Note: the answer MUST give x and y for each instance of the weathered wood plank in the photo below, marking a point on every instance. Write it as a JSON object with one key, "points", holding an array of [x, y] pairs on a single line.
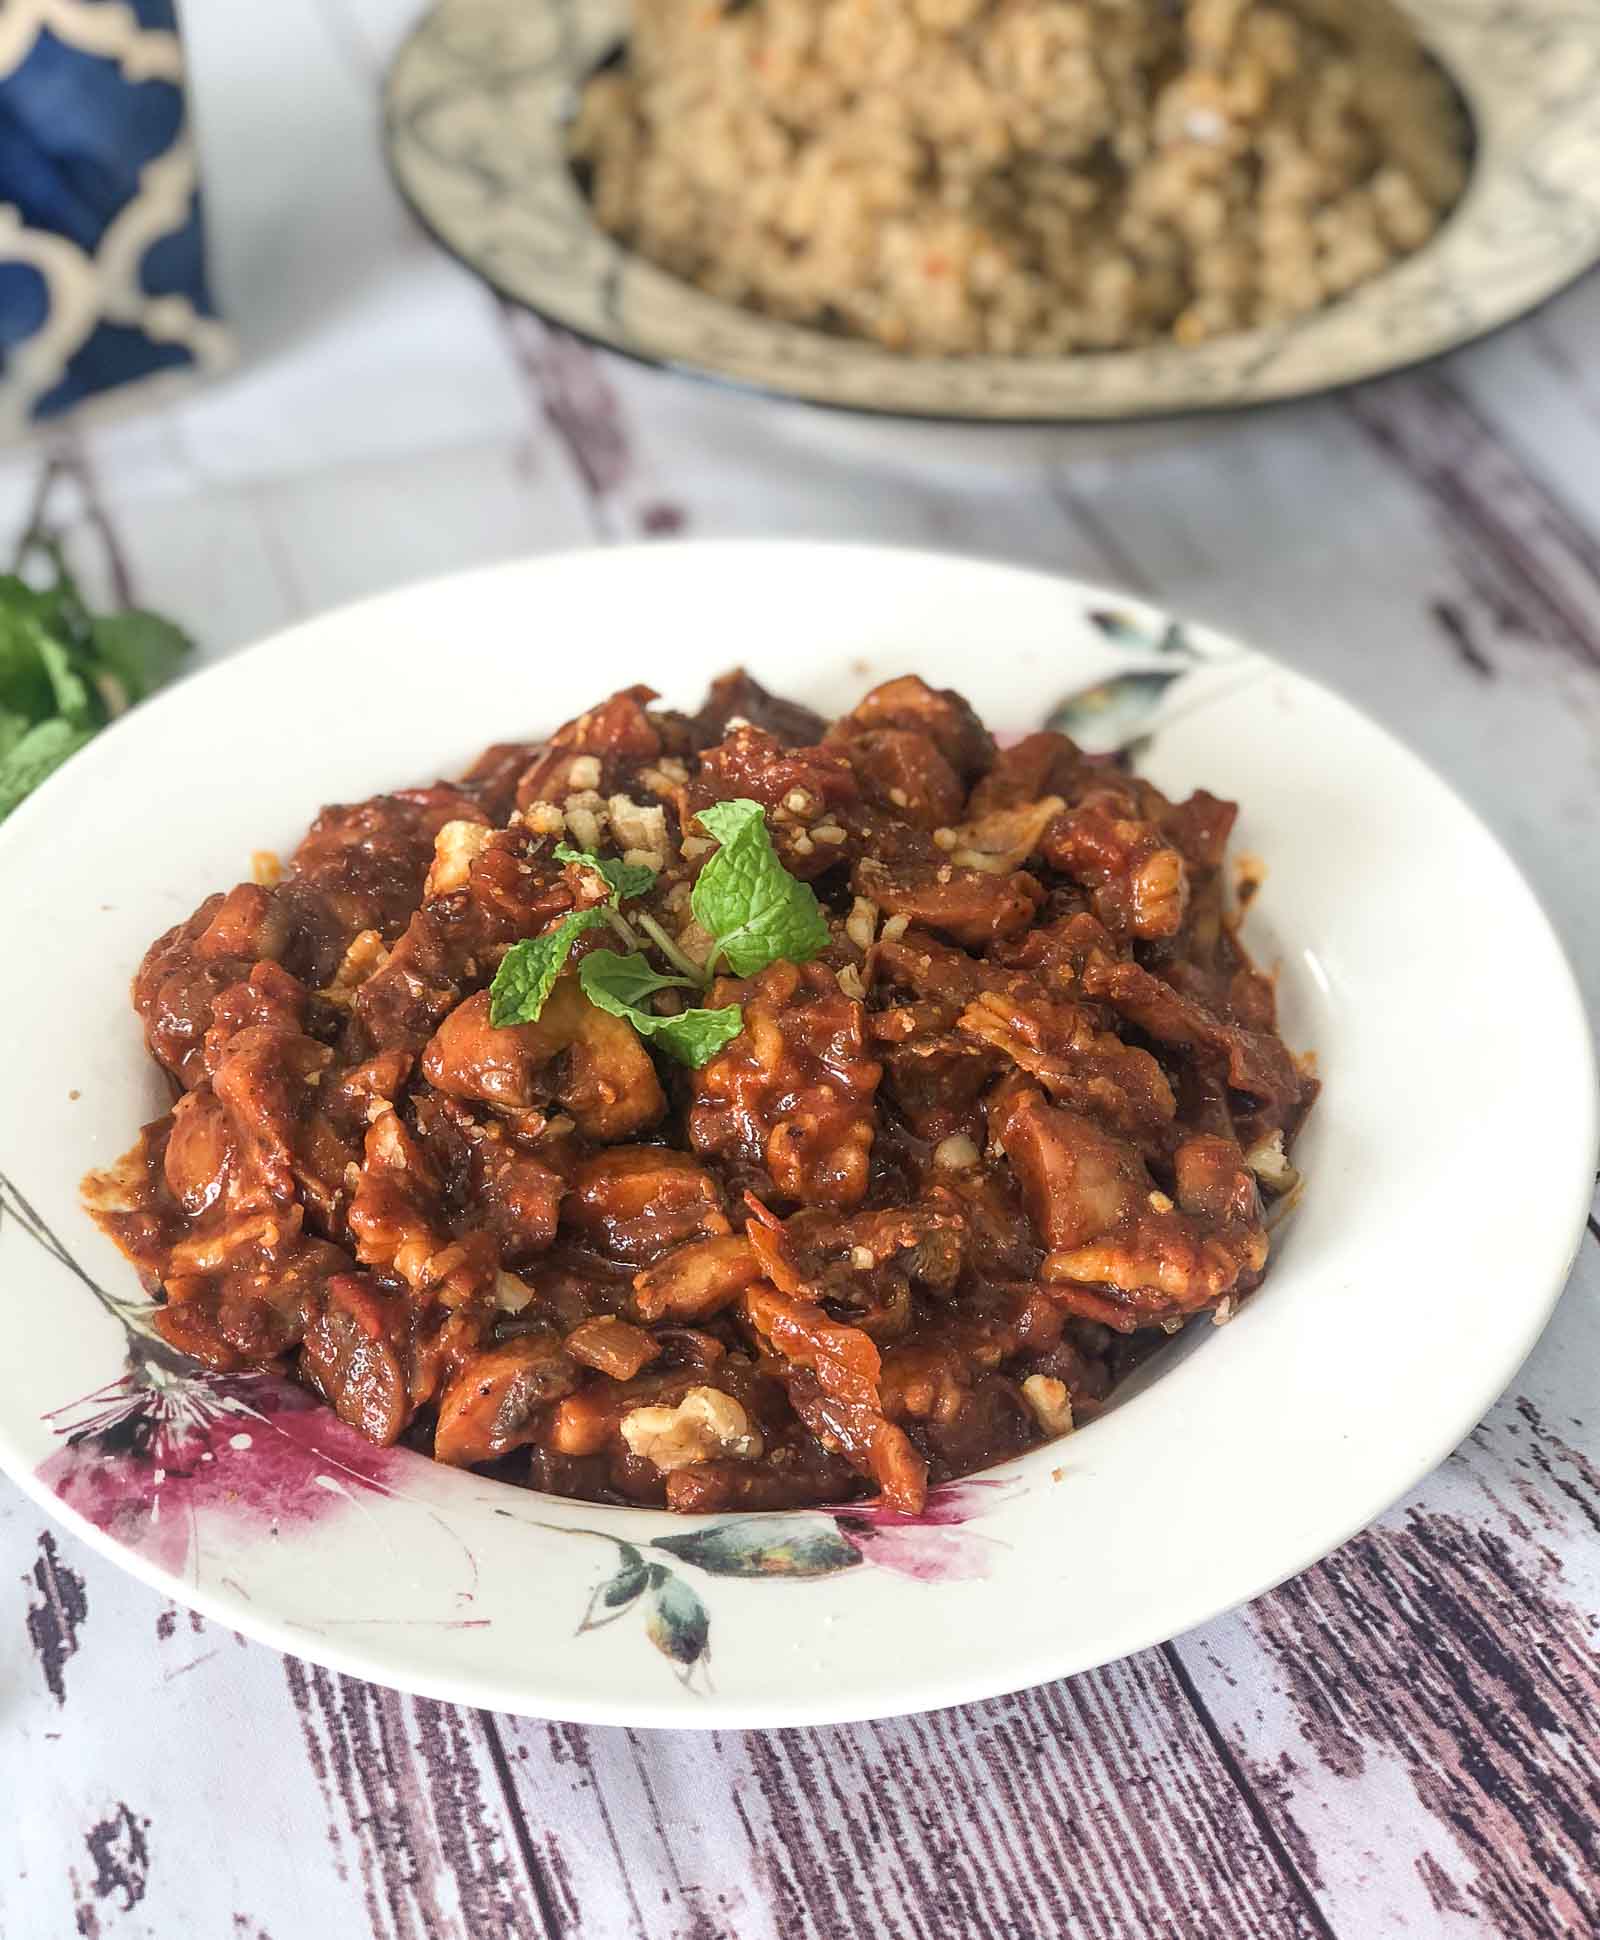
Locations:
{"points": [[657, 456], [359, 339], [1539, 386], [365, 528], [1417, 1713], [164, 1779], [1096, 1807]]}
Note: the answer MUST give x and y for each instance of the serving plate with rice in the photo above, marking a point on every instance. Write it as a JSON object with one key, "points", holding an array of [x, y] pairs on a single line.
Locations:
{"points": [[1010, 211]]}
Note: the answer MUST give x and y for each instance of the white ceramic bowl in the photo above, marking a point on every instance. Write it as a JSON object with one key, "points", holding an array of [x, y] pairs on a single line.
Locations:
{"points": [[1450, 1162], [476, 112]]}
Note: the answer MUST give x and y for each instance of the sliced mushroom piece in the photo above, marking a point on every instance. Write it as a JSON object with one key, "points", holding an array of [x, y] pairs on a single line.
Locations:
{"points": [[612, 1346], [638, 1201], [591, 1062], [695, 1281], [494, 1403], [353, 1356]]}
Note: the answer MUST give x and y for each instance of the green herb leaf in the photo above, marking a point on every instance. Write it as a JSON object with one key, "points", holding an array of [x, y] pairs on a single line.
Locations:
{"points": [[25, 687], [529, 969], [58, 608], [63, 671], [747, 900], [694, 1037], [141, 650], [621, 984], [68, 690], [624, 878], [39, 752]]}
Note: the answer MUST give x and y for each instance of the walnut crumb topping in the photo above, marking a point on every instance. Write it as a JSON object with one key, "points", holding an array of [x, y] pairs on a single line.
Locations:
{"points": [[1050, 1402], [706, 1425]]}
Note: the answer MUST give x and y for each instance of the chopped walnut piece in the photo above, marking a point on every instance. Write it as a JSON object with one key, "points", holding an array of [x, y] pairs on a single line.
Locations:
{"points": [[364, 958], [454, 848], [1050, 1402], [706, 1426], [639, 830]]}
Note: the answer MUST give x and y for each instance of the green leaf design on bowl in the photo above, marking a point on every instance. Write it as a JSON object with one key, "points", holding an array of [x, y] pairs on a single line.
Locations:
{"points": [[1124, 630], [677, 1622], [764, 1546], [1105, 717], [619, 1591]]}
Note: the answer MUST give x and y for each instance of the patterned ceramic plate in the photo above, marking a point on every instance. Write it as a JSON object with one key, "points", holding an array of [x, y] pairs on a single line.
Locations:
{"points": [[479, 98], [1432, 1241]]}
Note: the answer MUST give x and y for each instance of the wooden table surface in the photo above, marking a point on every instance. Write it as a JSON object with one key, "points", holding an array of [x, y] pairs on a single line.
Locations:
{"points": [[1404, 1740]]}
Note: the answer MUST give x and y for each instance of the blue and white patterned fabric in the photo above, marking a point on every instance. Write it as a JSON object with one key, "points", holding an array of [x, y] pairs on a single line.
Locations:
{"points": [[102, 267]]}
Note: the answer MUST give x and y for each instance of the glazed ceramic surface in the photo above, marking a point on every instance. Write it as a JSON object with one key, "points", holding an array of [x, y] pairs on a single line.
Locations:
{"points": [[1426, 1254], [479, 100]]}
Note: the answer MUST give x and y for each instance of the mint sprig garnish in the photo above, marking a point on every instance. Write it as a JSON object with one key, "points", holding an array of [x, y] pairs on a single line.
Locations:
{"points": [[754, 910], [529, 969]]}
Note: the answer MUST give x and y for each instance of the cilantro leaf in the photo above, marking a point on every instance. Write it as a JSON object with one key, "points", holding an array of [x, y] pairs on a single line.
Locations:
{"points": [[620, 984], [747, 900], [529, 969], [625, 878], [39, 752], [12, 729]]}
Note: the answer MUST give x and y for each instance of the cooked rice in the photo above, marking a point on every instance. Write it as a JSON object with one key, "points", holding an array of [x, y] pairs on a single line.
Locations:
{"points": [[956, 176]]}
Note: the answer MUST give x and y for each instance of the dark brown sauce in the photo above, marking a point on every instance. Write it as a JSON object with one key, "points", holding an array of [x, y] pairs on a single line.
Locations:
{"points": [[953, 1178]]}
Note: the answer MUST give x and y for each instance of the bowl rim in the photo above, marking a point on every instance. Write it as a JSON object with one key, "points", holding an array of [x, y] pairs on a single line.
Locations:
{"points": [[728, 384], [1196, 411], [979, 1680]]}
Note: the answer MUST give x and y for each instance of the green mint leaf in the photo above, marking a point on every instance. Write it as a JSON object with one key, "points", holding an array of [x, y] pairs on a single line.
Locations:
{"points": [[727, 821], [69, 691], [620, 984], [693, 1037], [141, 651], [529, 969], [63, 672], [59, 609], [39, 752], [25, 686], [626, 879], [747, 900]]}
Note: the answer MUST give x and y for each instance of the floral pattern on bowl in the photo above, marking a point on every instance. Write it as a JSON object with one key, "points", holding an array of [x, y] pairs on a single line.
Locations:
{"points": [[169, 1446]]}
